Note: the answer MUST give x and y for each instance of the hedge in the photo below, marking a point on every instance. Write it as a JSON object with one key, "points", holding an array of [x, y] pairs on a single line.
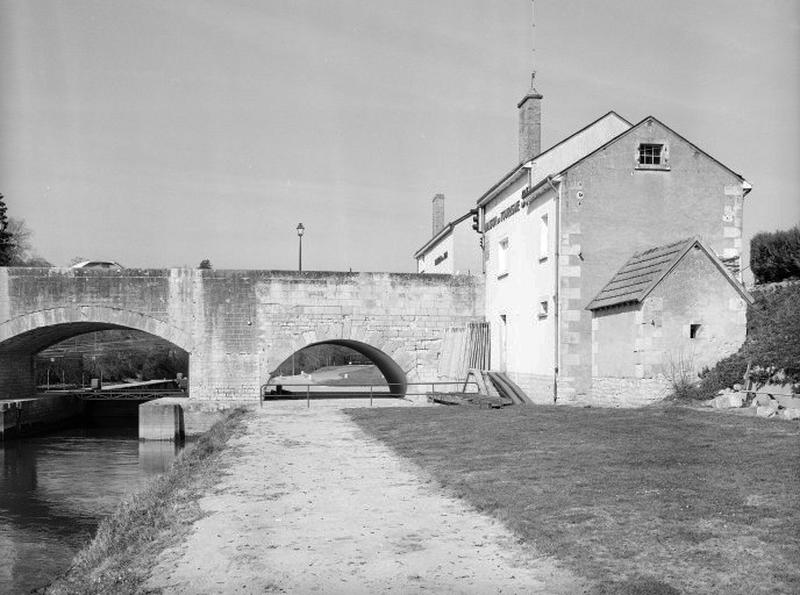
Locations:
{"points": [[775, 256]]}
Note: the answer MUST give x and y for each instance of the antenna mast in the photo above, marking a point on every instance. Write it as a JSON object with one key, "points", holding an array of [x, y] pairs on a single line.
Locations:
{"points": [[533, 42]]}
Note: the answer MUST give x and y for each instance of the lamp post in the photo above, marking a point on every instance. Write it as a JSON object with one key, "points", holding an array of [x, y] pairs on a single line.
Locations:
{"points": [[300, 231]]}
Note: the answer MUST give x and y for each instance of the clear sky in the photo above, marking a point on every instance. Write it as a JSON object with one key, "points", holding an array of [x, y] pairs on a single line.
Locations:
{"points": [[160, 133]]}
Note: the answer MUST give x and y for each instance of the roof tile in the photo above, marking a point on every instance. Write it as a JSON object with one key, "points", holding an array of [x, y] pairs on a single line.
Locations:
{"points": [[643, 268]]}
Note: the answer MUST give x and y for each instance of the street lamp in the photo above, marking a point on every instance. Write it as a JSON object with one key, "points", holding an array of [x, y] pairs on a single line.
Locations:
{"points": [[300, 231]]}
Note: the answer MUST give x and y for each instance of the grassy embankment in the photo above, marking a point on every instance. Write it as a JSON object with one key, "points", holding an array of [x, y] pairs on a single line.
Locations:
{"points": [[656, 500], [772, 346], [127, 542]]}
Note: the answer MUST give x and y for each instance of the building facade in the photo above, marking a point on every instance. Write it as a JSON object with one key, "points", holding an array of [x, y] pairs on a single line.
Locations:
{"points": [[454, 248], [667, 313], [558, 228], [520, 223]]}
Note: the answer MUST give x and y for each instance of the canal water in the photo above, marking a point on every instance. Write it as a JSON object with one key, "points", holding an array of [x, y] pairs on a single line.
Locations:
{"points": [[55, 489]]}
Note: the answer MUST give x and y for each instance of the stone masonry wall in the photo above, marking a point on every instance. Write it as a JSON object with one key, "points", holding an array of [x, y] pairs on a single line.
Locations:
{"points": [[639, 350], [28, 416], [405, 316], [611, 209], [695, 293], [626, 392], [16, 375], [538, 387], [237, 326]]}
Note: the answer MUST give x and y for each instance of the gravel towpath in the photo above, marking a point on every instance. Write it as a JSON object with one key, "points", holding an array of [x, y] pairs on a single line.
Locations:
{"points": [[311, 504]]}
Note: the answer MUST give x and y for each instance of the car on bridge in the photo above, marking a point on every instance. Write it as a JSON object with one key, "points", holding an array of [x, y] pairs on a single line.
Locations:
{"points": [[98, 264]]}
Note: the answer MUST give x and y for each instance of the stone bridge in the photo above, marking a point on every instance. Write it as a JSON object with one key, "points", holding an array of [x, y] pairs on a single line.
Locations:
{"points": [[238, 326]]}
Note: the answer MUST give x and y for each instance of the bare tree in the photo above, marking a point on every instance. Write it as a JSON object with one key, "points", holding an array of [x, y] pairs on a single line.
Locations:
{"points": [[21, 252]]}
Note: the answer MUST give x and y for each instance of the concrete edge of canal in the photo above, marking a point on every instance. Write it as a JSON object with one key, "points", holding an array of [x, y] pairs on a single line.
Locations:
{"points": [[170, 418], [173, 418], [164, 419], [36, 415]]}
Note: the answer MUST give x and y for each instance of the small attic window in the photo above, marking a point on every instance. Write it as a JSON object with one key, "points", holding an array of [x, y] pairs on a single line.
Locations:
{"points": [[544, 307], [694, 331], [650, 154]]}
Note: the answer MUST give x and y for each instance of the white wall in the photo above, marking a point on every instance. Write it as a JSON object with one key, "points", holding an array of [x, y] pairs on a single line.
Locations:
{"points": [[468, 255], [462, 249], [443, 252], [529, 280], [526, 338]]}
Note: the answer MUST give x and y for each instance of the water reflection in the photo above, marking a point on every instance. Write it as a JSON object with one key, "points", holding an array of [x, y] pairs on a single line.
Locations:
{"points": [[155, 457], [54, 490]]}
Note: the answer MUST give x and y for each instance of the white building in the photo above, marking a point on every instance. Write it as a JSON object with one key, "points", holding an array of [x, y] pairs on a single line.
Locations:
{"points": [[560, 226], [521, 227], [454, 248]]}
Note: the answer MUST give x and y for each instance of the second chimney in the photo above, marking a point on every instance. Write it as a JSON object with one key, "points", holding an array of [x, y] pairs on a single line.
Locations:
{"points": [[530, 125], [438, 213]]}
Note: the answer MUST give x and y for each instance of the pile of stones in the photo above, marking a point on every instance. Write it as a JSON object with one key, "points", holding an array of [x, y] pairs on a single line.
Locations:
{"points": [[760, 403]]}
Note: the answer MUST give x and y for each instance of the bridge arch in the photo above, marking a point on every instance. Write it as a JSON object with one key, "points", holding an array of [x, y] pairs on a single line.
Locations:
{"points": [[24, 336], [395, 375], [34, 331]]}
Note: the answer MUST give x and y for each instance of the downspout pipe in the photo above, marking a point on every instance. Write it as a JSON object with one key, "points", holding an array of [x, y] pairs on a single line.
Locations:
{"points": [[556, 274]]}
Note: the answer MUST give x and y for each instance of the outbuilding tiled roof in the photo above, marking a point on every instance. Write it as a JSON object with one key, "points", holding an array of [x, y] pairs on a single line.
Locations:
{"points": [[642, 273]]}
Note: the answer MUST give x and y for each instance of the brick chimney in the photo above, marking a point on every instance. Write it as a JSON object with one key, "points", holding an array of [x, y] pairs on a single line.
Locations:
{"points": [[438, 213], [530, 124]]}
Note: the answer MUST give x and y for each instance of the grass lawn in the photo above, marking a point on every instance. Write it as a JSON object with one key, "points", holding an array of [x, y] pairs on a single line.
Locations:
{"points": [[357, 374], [657, 500]]}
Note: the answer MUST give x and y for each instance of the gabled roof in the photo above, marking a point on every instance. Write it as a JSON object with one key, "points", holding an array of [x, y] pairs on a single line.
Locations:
{"points": [[515, 173], [634, 127], [441, 234], [557, 171], [646, 269], [554, 157]]}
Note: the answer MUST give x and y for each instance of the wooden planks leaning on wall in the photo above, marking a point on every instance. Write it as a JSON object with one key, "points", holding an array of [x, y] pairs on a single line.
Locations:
{"points": [[464, 348]]}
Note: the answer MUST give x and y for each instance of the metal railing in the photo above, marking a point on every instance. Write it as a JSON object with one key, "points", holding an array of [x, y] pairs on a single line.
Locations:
{"points": [[121, 395], [370, 391]]}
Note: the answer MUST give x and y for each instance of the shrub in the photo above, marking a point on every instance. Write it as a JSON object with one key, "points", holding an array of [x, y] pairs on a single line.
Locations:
{"points": [[773, 331], [724, 374], [772, 347], [679, 372], [775, 256]]}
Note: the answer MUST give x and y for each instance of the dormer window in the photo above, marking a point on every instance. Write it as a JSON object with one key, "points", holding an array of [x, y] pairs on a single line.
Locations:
{"points": [[650, 154]]}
